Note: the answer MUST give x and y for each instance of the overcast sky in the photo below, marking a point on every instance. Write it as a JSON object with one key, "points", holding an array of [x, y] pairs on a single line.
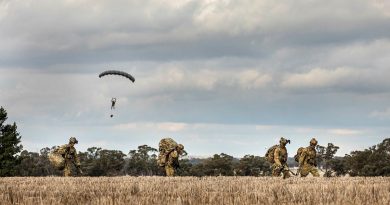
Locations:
{"points": [[217, 76]]}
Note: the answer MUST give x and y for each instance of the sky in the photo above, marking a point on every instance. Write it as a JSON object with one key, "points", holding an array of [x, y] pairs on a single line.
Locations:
{"points": [[218, 76]]}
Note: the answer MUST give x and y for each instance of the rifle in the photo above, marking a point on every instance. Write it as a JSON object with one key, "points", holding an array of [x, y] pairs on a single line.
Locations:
{"points": [[285, 168]]}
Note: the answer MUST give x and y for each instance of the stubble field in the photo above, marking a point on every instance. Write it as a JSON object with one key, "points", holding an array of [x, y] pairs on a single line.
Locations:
{"points": [[192, 190]]}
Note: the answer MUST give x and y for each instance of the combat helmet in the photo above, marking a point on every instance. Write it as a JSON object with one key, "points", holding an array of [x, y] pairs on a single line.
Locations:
{"points": [[313, 142], [180, 147], [73, 140], [284, 141]]}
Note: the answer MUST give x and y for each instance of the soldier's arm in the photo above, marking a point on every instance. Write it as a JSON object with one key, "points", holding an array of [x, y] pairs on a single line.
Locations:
{"points": [[76, 159], [302, 157], [277, 157], [175, 159], [174, 154]]}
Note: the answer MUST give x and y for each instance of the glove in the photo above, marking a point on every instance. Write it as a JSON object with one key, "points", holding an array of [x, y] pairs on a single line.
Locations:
{"points": [[79, 171]]}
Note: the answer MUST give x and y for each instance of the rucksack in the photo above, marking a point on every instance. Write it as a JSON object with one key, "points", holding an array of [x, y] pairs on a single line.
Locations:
{"points": [[269, 156], [165, 146], [56, 159], [299, 153]]}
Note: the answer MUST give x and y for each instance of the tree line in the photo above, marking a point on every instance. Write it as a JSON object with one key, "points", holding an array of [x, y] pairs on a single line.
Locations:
{"points": [[14, 161]]}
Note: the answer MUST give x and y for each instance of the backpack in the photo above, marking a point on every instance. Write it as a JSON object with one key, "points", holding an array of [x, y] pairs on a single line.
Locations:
{"points": [[269, 156], [57, 160], [299, 153], [166, 146]]}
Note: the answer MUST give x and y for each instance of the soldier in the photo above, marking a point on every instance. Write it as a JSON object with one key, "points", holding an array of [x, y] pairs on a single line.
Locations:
{"points": [[307, 160], [69, 153], [280, 160], [169, 155], [113, 101]]}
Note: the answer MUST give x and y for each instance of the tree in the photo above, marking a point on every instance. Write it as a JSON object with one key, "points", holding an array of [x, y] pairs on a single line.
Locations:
{"points": [[219, 164], [9, 146], [374, 161], [102, 162], [112, 162], [143, 161], [325, 155], [251, 165], [36, 164], [89, 162], [338, 165]]}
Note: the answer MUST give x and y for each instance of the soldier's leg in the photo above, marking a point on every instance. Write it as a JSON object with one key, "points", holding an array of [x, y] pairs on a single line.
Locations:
{"points": [[169, 171], [286, 174], [314, 172], [67, 170], [304, 171], [275, 171]]}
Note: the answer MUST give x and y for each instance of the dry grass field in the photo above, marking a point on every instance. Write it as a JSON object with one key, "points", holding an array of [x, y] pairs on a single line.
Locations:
{"points": [[192, 190]]}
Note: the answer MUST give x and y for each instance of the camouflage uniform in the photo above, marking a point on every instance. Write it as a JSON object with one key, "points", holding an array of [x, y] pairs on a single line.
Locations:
{"points": [[280, 157], [69, 153], [307, 160], [172, 163], [169, 155]]}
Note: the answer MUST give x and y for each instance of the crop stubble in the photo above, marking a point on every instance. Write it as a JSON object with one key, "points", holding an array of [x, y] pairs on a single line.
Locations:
{"points": [[193, 190]]}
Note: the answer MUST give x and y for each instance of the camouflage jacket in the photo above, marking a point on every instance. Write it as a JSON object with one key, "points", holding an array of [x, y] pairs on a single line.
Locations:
{"points": [[69, 153], [280, 155], [308, 157], [173, 158]]}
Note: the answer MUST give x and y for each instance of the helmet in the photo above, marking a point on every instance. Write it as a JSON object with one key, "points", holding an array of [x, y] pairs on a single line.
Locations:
{"points": [[180, 147], [313, 142], [73, 140], [284, 141]]}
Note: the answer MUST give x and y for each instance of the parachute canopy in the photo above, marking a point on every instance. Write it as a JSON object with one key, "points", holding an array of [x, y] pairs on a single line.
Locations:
{"points": [[116, 72]]}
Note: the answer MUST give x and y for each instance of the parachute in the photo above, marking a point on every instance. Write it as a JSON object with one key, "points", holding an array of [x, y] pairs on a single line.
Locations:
{"points": [[116, 72]]}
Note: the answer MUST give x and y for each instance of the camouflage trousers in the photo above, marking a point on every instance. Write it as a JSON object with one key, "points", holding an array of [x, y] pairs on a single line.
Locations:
{"points": [[278, 170], [169, 170], [307, 169], [68, 169]]}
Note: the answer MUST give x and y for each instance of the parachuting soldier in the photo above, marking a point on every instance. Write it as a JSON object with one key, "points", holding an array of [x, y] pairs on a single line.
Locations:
{"points": [[307, 160], [280, 160], [113, 101], [69, 153], [169, 155]]}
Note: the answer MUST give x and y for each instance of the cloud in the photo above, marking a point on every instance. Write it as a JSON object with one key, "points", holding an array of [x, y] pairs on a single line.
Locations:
{"points": [[177, 77], [345, 132], [172, 127], [341, 79], [164, 126], [317, 78], [265, 127], [384, 114], [209, 69], [46, 33], [382, 5], [252, 79]]}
